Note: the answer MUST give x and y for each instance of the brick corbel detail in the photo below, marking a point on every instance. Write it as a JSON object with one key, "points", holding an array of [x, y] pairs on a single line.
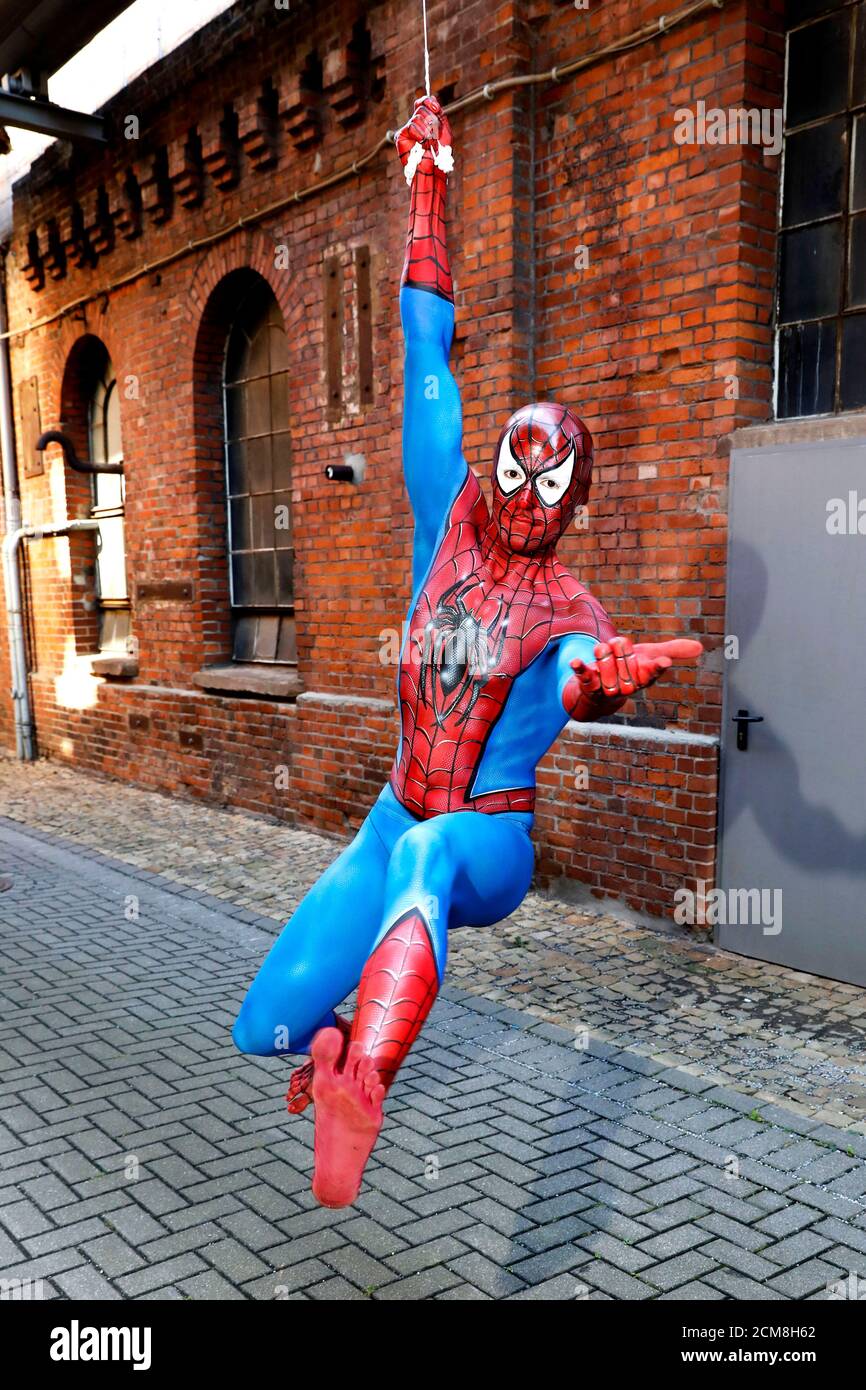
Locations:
{"points": [[300, 111], [126, 197], [343, 82], [258, 127], [73, 237], [153, 181], [220, 148], [185, 169], [51, 250]]}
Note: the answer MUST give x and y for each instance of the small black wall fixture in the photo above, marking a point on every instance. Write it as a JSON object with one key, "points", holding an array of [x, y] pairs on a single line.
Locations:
{"points": [[352, 470], [70, 456]]}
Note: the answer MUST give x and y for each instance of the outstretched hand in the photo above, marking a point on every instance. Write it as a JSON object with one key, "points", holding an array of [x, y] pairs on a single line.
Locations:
{"points": [[425, 139], [621, 666]]}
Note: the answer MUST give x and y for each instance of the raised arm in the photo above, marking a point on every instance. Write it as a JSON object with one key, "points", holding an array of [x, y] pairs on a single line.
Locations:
{"points": [[433, 462]]}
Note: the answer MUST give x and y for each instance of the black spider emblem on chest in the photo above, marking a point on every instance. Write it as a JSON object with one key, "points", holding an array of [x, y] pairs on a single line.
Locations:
{"points": [[459, 653]]}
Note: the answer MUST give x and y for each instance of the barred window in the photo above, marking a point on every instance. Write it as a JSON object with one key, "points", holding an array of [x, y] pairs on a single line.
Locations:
{"points": [[821, 301], [258, 481]]}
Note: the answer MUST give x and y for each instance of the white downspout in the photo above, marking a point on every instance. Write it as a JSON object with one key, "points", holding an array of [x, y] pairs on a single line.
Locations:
{"points": [[12, 579], [15, 533]]}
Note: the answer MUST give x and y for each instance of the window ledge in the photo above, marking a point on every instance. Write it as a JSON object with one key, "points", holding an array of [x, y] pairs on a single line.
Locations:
{"points": [[104, 664], [276, 682], [805, 429]]}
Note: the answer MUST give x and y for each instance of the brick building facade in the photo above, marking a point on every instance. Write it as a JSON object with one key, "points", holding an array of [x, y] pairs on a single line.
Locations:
{"points": [[597, 261]]}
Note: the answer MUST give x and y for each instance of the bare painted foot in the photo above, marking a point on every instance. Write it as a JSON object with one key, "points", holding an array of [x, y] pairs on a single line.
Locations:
{"points": [[348, 1117], [300, 1092]]}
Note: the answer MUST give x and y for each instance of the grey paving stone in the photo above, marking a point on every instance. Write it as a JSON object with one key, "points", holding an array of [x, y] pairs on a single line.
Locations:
{"points": [[158, 1275], [548, 1263], [694, 1292], [85, 1282], [740, 1287], [786, 1221], [613, 1281], [111, 1255], [359, 1268], [739, 1260], [601, 1245], [796, 1249], [491, 1278], [747, 1237], [674, 1241], [212, 1287], [804, 1279], [682, 1269]]}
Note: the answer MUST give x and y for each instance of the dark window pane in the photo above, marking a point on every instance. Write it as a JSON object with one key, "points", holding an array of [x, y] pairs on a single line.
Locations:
{"points": [[798, 11], [857, 260], [236, 415], [259, 464], [287, 649], [243, 587], [240, 522], [280, 402], [818, 69], [858, 94], [237, 468], [258, 407], [264, 582], [852, 381], [266, 638], [807, 369], [285, 575], [810, 272], [279, 347], [281, 449], [264, 537], [258, 357], [814, 173], [858, 163], [244, 639]]}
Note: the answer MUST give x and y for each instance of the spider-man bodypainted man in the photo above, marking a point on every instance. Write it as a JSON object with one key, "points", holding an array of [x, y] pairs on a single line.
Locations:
{"points": [[504, 646]]}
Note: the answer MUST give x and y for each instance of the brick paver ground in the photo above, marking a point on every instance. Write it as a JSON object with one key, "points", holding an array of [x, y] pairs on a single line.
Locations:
{"points": [[594, 1110]]}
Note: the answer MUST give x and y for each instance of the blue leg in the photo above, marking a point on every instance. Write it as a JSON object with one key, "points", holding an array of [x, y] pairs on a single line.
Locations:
{"points": [[459, 869], [319, 955]]}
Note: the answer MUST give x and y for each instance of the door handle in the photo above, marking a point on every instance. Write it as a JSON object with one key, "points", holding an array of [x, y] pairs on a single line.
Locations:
{"points": [[743, 719]]}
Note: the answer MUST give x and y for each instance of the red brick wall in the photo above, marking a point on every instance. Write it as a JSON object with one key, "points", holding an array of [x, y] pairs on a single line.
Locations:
{"points": [[677, 296]]}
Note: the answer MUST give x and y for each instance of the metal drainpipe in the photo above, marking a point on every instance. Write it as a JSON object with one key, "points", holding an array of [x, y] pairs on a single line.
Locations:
{"points": [[24, 741], [15, 533]]}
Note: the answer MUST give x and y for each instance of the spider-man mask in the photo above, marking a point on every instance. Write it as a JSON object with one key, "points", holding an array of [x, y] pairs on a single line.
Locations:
{"points": [[541, 475]]}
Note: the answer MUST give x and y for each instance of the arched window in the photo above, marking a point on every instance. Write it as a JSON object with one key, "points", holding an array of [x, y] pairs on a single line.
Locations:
{"points": [[103, 426], [258, 481]]}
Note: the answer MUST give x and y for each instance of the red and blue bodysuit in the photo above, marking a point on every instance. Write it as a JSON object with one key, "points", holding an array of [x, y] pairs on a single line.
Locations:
{"points": [[503, 646]]}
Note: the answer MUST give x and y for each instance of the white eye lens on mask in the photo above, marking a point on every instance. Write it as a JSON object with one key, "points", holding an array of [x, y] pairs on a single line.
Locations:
{"points": [[510, 475], [552, 485]]}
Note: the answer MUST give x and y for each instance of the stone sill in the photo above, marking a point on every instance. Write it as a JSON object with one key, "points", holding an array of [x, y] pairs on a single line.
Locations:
{"points": [[597, 731], [123, 667], [274, 682], [814, 429]]}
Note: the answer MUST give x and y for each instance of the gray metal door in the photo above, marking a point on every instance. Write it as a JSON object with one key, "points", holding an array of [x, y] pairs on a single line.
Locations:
{"points": [[792, 846]]}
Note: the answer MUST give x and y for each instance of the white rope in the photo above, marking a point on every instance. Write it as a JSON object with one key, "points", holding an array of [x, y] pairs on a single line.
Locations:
{"points": [[426, 50]]}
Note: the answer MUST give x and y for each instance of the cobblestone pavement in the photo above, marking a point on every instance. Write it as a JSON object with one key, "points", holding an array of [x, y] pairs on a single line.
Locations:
{"points": [[595, 1110]]}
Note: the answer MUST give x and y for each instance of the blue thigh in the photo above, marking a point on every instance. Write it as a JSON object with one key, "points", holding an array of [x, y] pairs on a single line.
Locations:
{"points": [[318, 957], [459, 869]]}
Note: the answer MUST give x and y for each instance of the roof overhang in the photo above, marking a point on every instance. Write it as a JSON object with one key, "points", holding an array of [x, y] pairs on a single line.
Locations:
{"points": [[36, 38]]}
